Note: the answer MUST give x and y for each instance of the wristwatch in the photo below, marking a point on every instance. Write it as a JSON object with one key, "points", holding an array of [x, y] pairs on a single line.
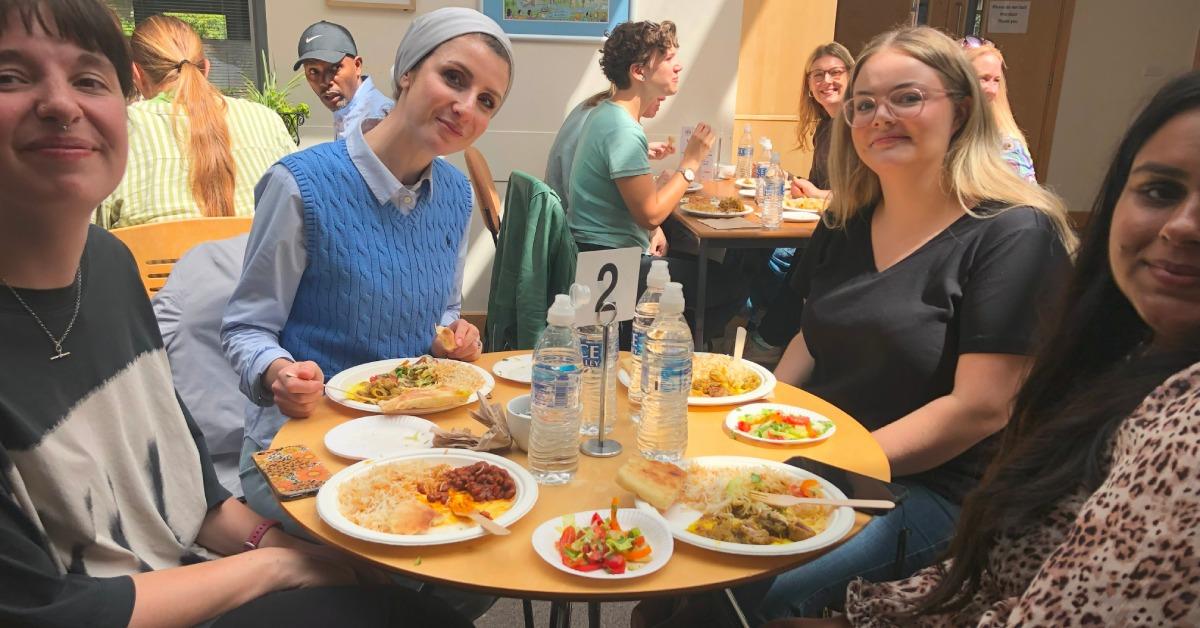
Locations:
{"points": [[259, 531], [688, 174]]}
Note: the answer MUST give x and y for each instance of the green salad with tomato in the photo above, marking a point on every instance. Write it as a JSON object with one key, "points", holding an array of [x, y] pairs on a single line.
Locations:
{"points": [[602, 544], [775, 424]]}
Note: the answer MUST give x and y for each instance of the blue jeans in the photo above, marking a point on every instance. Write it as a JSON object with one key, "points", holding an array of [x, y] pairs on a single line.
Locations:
{"points": [[807, 590]]}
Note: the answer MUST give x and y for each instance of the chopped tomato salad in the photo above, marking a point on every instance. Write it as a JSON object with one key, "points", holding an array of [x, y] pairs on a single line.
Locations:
{"points": [[772, 424], [602, 544]]}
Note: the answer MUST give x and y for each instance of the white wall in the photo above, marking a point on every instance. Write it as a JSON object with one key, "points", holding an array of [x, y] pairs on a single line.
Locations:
{"points": [[551, 77], [1120, 53]]}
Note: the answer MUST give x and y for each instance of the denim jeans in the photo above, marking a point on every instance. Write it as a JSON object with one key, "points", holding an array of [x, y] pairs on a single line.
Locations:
{"points": [[807, 590]]}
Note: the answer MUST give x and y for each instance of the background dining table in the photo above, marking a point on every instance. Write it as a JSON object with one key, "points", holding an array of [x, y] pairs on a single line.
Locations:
{"points": [[789, 234], [508, 565]]}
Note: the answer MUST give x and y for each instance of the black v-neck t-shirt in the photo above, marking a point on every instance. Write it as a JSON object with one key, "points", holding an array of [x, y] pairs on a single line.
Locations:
{"points": [[886, 343]]}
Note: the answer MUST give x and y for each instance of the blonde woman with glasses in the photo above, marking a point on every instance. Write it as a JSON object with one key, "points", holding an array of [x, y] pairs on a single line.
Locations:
{"points": [[985, 57], [921, 293], [821, 95], [193, 152]]}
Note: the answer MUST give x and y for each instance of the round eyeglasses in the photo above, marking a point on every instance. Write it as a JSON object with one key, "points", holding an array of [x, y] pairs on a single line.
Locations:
{"points": [[833, 73], [902, 102]]}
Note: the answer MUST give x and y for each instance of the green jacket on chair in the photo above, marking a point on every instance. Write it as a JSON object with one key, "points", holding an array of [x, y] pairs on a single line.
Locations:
{"points": [[535, 260]]}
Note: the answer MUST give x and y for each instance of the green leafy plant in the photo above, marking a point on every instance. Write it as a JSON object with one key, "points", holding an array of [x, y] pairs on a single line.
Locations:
{"points": [[275, 97]]}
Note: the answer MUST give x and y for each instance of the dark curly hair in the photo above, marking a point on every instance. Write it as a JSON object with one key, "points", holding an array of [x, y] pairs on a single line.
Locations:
{"points": [[635, 43]]}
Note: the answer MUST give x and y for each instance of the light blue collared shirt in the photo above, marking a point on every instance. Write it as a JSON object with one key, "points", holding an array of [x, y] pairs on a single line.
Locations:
{"points": [[368, 102], [275, 261]]}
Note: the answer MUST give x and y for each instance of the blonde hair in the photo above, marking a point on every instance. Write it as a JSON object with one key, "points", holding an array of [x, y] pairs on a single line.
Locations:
{"points": [[811, 112], [170, 56], [1000, 107], [973, 170]]}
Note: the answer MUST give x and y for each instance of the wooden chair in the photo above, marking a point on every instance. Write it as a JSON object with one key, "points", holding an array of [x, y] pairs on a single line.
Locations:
{"points": [[157, 246], [485, 191]]}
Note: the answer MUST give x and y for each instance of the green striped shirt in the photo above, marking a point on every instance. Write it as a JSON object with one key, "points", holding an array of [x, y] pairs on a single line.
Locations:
{"points": [[155, 187]]}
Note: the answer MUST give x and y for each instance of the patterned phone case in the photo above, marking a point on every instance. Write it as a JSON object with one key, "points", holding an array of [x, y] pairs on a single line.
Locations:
{"points": [[292, 471]]}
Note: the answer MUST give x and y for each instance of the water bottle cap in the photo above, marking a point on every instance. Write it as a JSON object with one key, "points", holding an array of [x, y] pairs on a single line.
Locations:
{"points": [[775, 156], [746, 128], [766, 143], [672, 299], [659, 274], [562, 313]]}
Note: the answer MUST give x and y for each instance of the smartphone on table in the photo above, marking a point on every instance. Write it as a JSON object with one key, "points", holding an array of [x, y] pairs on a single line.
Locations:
{"points": [[854, 485], [292, 471]]}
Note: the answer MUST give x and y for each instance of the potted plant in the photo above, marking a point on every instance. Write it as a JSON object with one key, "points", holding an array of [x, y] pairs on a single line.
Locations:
{"points": [[276, 98]]}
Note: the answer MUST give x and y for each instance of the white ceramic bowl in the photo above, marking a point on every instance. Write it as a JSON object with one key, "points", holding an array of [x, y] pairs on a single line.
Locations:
{"points": [[519, 420]]}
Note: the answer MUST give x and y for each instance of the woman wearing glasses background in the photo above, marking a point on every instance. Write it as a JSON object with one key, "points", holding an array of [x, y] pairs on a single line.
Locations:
{"points": [[921, 293], [985, 57], [821, 95]]}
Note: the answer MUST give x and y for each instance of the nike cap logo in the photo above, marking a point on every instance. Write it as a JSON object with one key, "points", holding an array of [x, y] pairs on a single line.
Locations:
{"points": [[309, 39]]}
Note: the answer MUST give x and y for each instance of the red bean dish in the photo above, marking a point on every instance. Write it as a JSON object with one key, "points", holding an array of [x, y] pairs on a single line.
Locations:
{"points": [[483, 481]]}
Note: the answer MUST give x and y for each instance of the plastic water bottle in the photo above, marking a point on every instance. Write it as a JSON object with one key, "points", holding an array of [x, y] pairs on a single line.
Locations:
{"points": [[557, 371], [745, 160], [666, 381], [760, 170], [644, 314], [772, 205], [591, 339]]}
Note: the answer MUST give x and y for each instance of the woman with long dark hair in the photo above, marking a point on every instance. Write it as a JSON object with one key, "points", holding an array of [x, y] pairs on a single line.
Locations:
{"points": [[1089, 512]]}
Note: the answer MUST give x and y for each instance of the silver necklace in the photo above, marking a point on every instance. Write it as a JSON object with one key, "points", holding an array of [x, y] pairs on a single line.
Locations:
{"points": [[59, 353]]}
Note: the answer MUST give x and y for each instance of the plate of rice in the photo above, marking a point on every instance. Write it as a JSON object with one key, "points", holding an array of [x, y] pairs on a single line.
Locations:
{"points": [[401, 500], [719, 381], [715, 512]]}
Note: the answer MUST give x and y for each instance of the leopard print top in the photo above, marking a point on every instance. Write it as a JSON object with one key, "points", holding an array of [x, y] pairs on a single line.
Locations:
{"points": [[1126, 555]]}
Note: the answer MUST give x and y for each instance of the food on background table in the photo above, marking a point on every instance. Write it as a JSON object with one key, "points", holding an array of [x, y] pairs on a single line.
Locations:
{"points": [[744, 182], [804, 202], [656, 483], [602, 544], [727, 205], [718, 375], [774, 424], [412, 497], [418, 384], [731, 515], [445, 337]]}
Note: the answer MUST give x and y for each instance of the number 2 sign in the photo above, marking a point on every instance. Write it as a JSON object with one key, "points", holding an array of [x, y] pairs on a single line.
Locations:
{"points": [[611, 275]]}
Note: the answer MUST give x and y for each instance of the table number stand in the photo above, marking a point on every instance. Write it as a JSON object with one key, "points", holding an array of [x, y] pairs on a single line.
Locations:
{"points": [[601, 447]]}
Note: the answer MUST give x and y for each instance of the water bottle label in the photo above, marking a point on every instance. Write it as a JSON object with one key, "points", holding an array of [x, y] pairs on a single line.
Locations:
{"points": [[760, 169], [553, 386], [673, 379], [745, 151], [639, 341], [591, 353]]}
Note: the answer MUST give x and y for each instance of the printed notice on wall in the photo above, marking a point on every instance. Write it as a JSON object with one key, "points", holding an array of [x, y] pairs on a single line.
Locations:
{"points": [[1008, 16]]}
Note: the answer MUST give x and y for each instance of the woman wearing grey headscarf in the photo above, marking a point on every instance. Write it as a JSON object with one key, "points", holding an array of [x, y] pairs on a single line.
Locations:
{"points": [[358, 245]]}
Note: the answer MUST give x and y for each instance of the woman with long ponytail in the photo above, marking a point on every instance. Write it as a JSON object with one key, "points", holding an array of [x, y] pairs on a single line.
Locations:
{"points": [[193, 151]]}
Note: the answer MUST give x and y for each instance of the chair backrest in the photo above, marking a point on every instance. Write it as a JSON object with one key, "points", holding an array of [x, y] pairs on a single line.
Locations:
{"points": [[157, 246], [485, 190]]}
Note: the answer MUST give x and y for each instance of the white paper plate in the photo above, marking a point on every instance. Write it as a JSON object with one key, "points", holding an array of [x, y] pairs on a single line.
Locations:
{"points": [[679, 518], [764, 389], [653, 527], [745, 183], [747, 193], [379, 436], [327, 498], [746, 209], [355, 374], [737, 414], [695, 186], [800, 215], [517, 368]]}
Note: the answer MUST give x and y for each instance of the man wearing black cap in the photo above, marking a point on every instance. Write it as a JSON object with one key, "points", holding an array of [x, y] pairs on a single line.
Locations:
{"points": [[334, 72]]}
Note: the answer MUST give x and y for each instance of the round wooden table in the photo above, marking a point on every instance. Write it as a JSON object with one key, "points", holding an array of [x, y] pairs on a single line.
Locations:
{"points": [[508, 566]]}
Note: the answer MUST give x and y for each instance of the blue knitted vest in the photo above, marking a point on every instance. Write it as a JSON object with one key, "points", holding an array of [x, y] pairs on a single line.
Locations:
{"points": [[377, 281]]}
